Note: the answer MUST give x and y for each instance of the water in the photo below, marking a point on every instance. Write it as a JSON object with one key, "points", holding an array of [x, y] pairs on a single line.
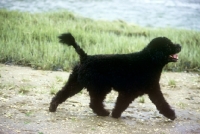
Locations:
{"points": [[152, 13]]}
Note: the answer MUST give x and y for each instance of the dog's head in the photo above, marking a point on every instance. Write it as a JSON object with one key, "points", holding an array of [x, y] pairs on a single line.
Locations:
{"points": [[162, 50]]}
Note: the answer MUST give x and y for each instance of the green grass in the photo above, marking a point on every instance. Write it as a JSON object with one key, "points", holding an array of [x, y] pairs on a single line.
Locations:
{"points": [[24, 89], [8, 86], [31, 39], [59, 79], [28, 113], [172, 83], [141, 99], [182, 105], [53, 89]]}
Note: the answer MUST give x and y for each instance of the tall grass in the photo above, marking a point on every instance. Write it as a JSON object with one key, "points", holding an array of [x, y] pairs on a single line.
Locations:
{"points": [[31, 39]]}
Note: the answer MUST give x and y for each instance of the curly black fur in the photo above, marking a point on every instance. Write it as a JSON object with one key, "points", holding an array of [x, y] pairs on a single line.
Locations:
{"points": [[131, 75]]}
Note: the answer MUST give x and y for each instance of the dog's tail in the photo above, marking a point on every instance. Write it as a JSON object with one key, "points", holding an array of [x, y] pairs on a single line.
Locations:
{"points": [[67, 38]]}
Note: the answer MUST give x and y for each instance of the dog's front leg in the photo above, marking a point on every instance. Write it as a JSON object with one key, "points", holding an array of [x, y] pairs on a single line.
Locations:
{"points": [[163, 107]]}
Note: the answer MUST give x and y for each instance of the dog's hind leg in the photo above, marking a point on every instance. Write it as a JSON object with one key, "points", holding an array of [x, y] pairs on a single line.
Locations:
{"points": [[71, 88], [163, 107], [123, 101], [96, 101]]}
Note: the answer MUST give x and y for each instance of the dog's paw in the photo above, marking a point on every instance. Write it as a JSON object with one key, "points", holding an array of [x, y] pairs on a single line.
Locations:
{"points": [[170, 114], [116, 115], [53, 107]]}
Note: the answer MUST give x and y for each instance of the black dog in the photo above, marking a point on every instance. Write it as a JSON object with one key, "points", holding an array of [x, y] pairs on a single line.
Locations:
{"points": [[131, 75]]}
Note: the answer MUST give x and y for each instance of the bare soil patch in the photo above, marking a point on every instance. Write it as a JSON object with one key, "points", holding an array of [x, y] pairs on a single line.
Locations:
{"points": [[25, 95]]}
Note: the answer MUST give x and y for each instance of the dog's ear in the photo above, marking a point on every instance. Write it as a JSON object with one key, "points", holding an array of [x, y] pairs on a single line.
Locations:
{"points": [[158, 56]]}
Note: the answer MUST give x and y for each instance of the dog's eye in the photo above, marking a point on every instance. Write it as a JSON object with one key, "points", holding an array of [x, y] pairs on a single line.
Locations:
{"points": [[168, 47]]}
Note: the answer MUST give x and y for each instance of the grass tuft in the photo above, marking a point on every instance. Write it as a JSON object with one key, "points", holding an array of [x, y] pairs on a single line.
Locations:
{"points": [[141, 99], [24, 90], [53, 90], [172, 83]]}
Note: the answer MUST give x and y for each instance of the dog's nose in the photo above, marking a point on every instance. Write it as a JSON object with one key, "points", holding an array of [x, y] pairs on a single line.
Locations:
{"points": [[178, 47]]}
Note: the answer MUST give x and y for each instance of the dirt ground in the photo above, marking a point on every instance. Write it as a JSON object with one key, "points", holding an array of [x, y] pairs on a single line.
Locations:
{"points": [[25, 95]]}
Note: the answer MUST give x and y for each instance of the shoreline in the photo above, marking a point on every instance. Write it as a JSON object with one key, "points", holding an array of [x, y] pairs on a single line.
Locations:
{"points": [[162, 13]]}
